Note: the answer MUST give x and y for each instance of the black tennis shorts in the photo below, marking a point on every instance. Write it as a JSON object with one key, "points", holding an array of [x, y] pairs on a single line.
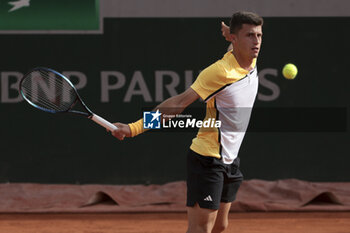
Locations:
{"points": [[210, 181]]}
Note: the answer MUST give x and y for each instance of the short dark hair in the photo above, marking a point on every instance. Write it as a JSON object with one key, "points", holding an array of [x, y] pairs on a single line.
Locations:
{"points": [[243, 17]]}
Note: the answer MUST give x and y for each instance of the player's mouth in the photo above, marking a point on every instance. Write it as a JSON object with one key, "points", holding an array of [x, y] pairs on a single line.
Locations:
{"points": [[255, 49]]}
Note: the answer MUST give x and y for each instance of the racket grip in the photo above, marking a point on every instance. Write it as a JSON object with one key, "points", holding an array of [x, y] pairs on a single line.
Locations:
{"points": [[104, 123]]}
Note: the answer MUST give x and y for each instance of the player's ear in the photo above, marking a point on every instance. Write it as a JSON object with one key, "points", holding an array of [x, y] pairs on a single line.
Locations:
{"points": [[233, 37]]}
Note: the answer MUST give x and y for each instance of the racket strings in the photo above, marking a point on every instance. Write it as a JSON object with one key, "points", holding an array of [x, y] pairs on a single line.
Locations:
{"points": [[43, 102], [48, 90], [60, 84], [51, 99]]}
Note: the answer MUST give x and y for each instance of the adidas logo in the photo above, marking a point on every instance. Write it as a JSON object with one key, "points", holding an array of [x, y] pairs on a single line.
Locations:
{"points": [[208, 198]]}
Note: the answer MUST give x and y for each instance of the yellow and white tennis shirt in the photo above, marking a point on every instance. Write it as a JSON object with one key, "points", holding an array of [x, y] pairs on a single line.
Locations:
{"points": [[229, 92]]}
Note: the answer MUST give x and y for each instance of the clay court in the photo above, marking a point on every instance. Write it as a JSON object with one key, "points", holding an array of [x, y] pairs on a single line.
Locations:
{"points": [[278, 222], [261, 206]]}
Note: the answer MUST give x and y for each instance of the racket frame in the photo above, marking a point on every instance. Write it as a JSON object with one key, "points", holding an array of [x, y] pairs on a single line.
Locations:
{"points": [[89, 114]]}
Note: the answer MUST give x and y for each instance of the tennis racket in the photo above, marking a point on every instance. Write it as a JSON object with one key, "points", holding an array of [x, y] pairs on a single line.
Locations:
{"points": [[50, 91]]}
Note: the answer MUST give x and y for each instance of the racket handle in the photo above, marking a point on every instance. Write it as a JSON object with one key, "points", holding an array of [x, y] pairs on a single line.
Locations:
{"points": [[99, 120]]}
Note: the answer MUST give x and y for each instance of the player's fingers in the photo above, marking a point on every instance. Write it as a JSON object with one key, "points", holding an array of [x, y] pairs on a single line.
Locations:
{"points": [[121, 137], [115, 133], [223, 26], [118, 134]]}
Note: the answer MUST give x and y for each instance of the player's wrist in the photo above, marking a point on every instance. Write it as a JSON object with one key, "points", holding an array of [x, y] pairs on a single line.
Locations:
{"points": [[136, 128]]}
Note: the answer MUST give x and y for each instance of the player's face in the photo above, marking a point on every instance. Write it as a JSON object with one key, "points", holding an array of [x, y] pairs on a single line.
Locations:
{"points": [[247, 41]]}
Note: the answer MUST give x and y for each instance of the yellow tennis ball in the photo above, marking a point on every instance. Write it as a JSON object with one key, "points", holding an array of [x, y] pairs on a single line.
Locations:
{"points": [[289, 71]]}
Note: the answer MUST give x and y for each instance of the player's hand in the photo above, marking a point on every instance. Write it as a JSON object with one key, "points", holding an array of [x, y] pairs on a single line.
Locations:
{"points": [[122, 131], [226, 32]]}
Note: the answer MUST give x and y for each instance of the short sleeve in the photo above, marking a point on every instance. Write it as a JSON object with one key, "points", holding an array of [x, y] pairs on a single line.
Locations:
{"points": [[210, 81]]}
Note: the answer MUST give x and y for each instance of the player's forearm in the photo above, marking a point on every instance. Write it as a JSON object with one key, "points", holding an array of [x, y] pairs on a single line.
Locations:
{"points": [[171, 106]]}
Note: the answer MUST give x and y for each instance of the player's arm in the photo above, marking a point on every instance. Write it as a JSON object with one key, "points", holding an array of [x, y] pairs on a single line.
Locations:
{"points": [[176, 104], [226, 31], [171, 106]]}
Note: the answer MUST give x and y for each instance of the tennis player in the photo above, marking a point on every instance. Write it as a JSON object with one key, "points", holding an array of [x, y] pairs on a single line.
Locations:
{"points": [[229, 87]]}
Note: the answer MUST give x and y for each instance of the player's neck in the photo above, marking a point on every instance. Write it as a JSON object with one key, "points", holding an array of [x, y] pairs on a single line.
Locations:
{"points": [[244, 62]]}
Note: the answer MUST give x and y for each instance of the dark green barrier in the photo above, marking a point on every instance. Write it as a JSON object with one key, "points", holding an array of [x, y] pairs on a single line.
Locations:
{"points": [[137, 63], [40, 15]]}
